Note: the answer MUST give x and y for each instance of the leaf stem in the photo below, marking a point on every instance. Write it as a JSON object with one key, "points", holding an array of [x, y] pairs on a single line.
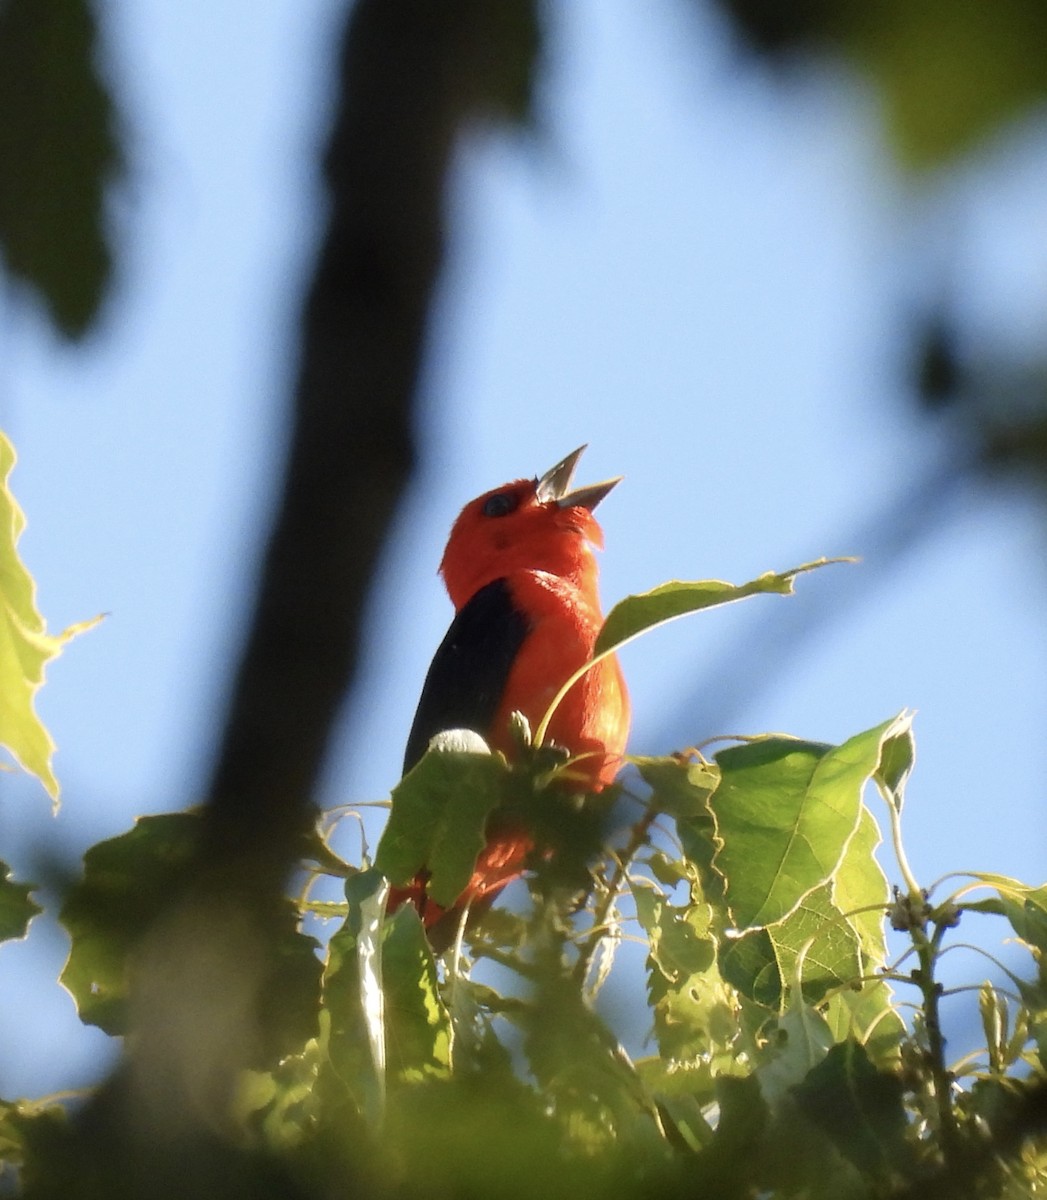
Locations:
{"points": [[557, 700], [911, 884]]}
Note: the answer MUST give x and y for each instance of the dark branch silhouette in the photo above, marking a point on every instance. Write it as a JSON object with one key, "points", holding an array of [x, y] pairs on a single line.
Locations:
{"points": [[412, 75]]}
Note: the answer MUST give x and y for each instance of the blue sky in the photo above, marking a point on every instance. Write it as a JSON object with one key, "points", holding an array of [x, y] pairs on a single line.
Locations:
{"points": [[702, 273]]}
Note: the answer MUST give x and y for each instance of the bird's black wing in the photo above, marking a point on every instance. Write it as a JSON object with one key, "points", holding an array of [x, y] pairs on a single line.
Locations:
{"points": [[468, 673]]}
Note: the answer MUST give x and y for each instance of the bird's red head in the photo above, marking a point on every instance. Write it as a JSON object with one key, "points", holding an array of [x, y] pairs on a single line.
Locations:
{"points": [[529, 524]]}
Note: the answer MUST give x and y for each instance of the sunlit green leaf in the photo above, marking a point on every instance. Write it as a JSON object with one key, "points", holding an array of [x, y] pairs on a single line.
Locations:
{"points": [[386, 1022], [692, 1009], [26, 647], [1024, 907], [786, 811], [683, 790], [783, 823], [440, 810], [813, 945], [897, 758], [418, 1026], [678, 940], [636, 614], [16, 908], [860, 892], [351, 1075], [816, 947], [282, 1105]]}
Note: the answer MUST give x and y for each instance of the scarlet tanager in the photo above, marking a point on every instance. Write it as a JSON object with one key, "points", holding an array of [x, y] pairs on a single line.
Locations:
{"points": [[520, 570]]}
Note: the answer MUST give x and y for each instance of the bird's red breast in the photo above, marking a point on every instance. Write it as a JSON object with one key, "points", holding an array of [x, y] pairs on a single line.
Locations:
{"points": [[520, 569]]}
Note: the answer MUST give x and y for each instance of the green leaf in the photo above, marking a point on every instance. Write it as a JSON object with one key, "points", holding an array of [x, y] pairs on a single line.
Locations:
{"points": [[860, 892], [283, 1104], [749, 963], [678, 937], [785, 813], [384, 1018], [352, 1072], [801, 1041], [26, 1126], [472, 1007], [636, 614], [867, 1016], [950, 74], [418, 1025], [16, 908], [59, 153], [439, 814], [812, 946], [472, 1137], [732, 1163], [693, 1010], [1024, 907], [789, 816], [783, 824], [897, 758], [815, 948], [859, 1107], [827, 943], [681, 1089], [25, 645], [681, 789], [128, 881]]}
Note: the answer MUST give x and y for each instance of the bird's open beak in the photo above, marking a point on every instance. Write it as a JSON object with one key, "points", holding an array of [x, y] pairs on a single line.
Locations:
{"points": [[554, 485]]}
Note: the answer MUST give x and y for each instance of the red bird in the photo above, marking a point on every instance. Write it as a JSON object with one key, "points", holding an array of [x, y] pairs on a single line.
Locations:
{"points": [[521, 573]]}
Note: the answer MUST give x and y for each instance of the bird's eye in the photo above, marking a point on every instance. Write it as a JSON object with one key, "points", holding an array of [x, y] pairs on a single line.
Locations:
{"points": [[500, 504]]}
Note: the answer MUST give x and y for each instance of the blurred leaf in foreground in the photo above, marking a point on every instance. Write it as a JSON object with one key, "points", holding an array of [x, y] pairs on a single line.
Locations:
{"points": [[16, 908], [59, 152]]}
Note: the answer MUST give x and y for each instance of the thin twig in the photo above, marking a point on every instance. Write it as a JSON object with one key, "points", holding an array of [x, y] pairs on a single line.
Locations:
{"points": [[637, 839]]}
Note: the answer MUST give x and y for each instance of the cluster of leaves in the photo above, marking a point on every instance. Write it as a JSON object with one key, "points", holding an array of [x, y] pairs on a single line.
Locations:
{"points": [[779, 1063]]}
